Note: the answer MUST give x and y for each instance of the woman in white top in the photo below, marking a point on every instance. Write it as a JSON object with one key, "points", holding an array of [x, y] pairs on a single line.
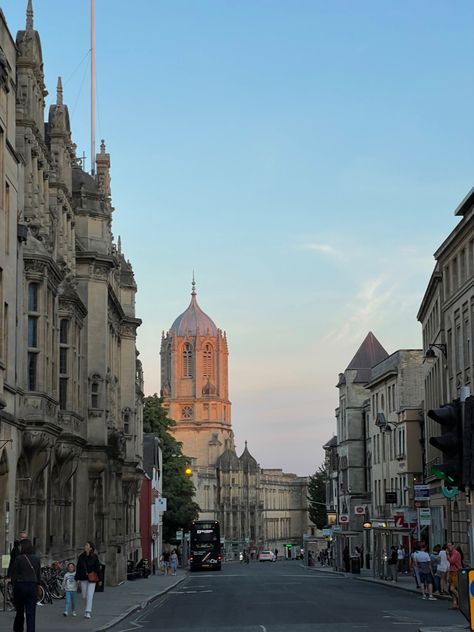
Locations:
{"points": [[442, 570]]}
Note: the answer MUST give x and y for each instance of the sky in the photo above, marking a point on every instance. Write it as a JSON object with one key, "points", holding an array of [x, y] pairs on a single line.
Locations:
{"points": [[303, 157]]}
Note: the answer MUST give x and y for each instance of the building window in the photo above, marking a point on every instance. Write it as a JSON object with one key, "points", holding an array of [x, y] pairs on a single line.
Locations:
{"points": [[63, 362], [126, 420], [207, 361], [33, 347], [187, 412], [187, 360], [95, 395]]}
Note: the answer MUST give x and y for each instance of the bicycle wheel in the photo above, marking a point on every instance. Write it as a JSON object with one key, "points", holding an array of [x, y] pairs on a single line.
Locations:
{"points": [[40, 594], [55, 587]]}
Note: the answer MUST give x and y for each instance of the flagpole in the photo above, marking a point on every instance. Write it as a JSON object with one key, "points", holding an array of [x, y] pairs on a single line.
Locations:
{"points": [[92, 88]]}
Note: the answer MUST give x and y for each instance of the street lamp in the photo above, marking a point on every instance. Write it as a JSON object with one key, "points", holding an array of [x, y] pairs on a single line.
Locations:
{"points": [[431, 355]]}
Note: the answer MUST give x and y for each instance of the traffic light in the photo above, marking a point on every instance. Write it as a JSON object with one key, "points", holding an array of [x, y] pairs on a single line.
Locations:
{"points": [[450, 443]]}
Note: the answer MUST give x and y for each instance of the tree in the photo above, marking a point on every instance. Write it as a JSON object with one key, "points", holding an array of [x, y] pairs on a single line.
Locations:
{"points": [[178, 488], [317, 498]]}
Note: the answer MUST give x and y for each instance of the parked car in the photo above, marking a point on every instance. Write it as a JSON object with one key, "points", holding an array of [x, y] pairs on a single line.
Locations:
{"points": [[266, 556]]}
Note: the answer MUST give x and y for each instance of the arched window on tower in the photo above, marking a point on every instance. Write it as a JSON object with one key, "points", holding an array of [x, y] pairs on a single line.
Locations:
{"points": [[187, 360], [208, 361]]}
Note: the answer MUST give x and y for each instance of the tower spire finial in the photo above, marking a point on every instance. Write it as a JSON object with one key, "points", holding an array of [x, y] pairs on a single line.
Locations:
{"points": [[193, 285], [59, 92], [29, 15]]}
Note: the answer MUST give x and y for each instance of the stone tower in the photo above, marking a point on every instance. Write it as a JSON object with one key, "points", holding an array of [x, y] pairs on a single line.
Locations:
{"points": [[195, 391]]}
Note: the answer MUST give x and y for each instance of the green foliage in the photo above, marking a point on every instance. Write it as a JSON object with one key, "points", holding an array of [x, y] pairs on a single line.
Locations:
{"points": [[178, 489], [317, 498]]}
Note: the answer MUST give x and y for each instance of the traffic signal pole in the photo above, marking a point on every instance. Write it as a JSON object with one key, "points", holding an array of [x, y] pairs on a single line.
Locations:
{"points": [[464, 394]]}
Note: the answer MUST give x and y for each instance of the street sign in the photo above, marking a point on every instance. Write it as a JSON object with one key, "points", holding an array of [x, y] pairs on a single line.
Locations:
{"points": [[399, 520], [160, 504], [422, 492], [336, 528], [179, 535], [327, 532], [343, 518], [424, 514]]}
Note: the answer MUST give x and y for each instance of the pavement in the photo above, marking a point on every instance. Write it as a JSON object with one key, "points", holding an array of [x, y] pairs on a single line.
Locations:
{"points": [[110, 607]]}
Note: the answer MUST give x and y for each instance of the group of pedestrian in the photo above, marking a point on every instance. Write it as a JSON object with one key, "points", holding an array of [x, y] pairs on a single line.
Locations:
{"points": [[169, 562], [24, 572], [437, 572]]}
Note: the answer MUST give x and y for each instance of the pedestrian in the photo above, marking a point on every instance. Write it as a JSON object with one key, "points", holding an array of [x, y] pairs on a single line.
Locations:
{"points": [[276, 555], [413, 566], [455, 563], [422, 561], [166, 562], [346, 558], [173, 561], [16, 550], [392, 564], [25, 577], [442, 571], [435, 560], [401, 558], [87, 576], [70, 588]]}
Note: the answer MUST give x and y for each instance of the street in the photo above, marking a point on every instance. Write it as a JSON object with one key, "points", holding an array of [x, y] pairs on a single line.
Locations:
{"points": [[284, 597]]}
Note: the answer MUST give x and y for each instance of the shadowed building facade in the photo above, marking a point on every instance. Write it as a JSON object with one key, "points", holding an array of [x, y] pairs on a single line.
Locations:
{"points": [[232, 489], [71, 385]]}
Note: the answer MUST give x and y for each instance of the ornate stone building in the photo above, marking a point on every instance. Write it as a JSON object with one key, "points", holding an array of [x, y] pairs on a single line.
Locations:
{"points": [[71, 386], [256, 508]]}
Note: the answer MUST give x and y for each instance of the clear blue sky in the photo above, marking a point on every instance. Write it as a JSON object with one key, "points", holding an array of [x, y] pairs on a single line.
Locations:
{"points": [[304, 157]]}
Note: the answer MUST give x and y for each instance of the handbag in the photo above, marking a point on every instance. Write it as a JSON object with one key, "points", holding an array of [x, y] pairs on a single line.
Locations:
{"points": [[92, 577]]}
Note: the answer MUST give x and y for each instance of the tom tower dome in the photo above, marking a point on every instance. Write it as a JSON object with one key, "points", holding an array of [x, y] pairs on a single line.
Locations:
{"points": [[195, 385]]}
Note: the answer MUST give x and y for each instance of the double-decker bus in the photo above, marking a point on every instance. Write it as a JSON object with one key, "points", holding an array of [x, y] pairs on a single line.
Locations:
{"points": [[205, 545]]}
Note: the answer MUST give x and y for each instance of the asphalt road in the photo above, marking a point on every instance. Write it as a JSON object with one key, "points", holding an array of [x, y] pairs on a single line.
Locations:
{"points": [[284, 597]]}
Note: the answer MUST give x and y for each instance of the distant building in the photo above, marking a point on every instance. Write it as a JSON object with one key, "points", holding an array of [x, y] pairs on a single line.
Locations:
{"points": [[151, 501], [257, 507]]}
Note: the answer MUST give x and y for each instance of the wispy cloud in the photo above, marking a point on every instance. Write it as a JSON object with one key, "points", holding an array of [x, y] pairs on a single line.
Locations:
{"points": [[371, 303], [325, 249]]}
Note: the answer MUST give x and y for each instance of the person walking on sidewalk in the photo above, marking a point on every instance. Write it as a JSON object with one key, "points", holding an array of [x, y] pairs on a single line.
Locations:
{"points": [[392, 564], [70, 588], [455, 563], [443, 568], [87, 576], [25, 576], [422, 561], [174, 561], [401, 558]]}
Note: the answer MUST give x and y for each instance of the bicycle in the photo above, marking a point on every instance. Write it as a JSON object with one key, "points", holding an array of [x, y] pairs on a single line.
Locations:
{"points": [[6, 594]]}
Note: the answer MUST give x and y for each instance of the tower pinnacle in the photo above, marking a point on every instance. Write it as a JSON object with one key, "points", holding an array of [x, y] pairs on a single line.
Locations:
{"points": [[59, 92], [29, 16], [193, 284]]}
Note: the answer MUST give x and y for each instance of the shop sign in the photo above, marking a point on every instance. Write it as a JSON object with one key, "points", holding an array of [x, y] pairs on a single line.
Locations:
{"points": [[425, 516], [422, 492], [359, 510], [390, 498], [343, 518]]}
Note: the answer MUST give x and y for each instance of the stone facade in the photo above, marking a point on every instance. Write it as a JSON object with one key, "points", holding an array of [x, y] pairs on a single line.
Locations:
{"points": [[447, 318], [257, 508], [71, 386]]}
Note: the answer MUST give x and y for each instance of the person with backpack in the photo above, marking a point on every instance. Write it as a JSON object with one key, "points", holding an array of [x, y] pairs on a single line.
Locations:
{"points": [[25, 575]]}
